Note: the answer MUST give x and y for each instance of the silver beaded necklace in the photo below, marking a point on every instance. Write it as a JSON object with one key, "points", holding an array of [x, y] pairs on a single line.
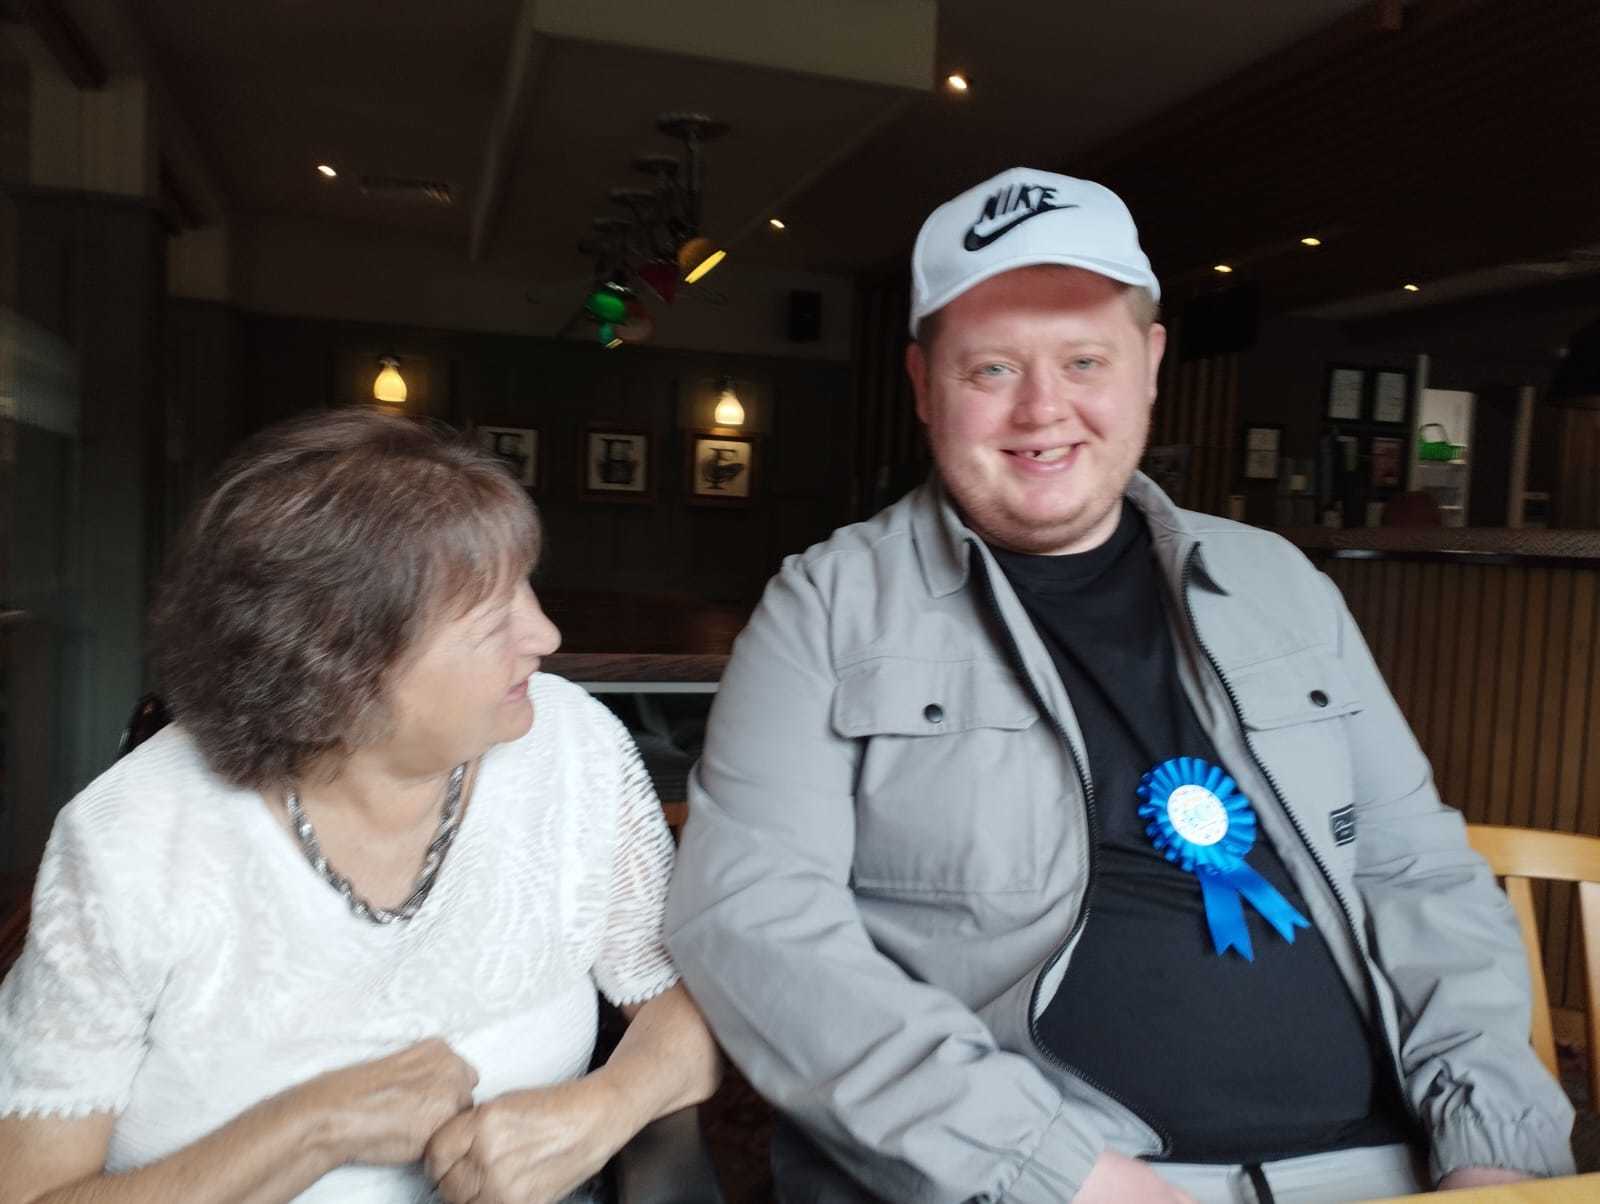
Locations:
{"points": [[449, 825]]}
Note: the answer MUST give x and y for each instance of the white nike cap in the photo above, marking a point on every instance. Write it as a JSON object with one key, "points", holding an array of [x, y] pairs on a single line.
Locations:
{"points": [[1020, 218]]}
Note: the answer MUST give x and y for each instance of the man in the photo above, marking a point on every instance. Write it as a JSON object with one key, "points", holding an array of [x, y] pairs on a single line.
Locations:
{"points": [[1052, 843]]}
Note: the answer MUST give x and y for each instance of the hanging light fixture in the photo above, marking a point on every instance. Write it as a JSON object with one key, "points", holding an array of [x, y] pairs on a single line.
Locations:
{"points": [[608, 303], [697, 257], [730, 410], [389, 386], [660, 244]]}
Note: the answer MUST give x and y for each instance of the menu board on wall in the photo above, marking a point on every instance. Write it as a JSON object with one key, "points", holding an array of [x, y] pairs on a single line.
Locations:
{"points": [[1389, 397], [1345, 389]]}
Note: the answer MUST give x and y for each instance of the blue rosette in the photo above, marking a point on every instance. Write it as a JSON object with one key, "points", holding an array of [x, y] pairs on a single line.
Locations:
{"points": [[1199, 819]]}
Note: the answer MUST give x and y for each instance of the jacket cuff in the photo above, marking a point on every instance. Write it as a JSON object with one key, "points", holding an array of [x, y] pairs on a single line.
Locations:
{"points": [[1055, 1168], [1531, 1143]]}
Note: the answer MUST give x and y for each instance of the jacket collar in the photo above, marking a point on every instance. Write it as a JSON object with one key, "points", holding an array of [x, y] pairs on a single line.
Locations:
{"points": [[944, 541]]}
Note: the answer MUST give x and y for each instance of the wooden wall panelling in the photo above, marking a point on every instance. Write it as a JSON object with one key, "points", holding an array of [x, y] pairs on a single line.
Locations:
{"points": [[1430, 673], [1542, 806], [1513, 634], [1460, 706], [1496, 668], [1197, 405], [1574, 702], [1586, 817], [669, 547], [891, 454], [1480, 741]]}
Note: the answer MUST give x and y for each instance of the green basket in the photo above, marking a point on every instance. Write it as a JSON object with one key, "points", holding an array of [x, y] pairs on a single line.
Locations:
{"points": [[1440, 448]]}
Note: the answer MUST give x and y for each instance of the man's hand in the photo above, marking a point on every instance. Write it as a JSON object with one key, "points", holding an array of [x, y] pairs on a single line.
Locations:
{"points": [[529, 1146], [1116, 1179], [1480, 1176]]}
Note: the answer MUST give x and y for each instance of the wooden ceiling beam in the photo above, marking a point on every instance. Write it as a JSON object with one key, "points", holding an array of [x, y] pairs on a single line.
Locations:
{"points": [[505, 130], [63, 39]]}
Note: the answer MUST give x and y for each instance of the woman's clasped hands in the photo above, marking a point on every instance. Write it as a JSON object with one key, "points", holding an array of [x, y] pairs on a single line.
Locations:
{"points": [[416, 1106]]}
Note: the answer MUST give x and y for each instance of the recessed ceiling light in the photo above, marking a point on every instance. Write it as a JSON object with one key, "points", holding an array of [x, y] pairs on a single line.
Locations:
{"points": [[776, 223], [956, 82], [1221, 267], [326, 170], [1311, 240], [1411, 288]]}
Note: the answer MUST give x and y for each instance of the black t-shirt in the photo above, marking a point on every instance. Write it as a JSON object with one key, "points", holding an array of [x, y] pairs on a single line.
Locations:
{"points": [[1236, 1061]]}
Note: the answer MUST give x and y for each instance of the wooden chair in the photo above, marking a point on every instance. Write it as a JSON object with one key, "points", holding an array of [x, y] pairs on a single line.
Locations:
{"points": [[1518, 855]]}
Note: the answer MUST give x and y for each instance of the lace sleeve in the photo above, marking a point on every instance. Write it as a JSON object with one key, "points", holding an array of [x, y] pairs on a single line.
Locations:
{"points": [[73, 1022], [633, 965]]}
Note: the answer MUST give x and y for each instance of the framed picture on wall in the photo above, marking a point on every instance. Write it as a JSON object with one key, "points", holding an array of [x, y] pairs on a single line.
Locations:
{"points": [[518, 446], [1262, 445], [1390, 394], [616, 465], [721, 468], [1346, 389], [1388, 461]]}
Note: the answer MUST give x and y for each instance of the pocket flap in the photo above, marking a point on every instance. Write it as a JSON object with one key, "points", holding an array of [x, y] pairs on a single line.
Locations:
{"points": [[901, 697], [1300, 688]]}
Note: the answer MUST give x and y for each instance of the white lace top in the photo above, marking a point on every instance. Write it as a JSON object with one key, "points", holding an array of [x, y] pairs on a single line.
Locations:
{"points": [[185, 961]]}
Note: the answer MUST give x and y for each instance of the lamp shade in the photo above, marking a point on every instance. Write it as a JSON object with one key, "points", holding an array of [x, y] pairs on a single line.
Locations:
{"points": [[661, 275], [730, 410], [638, 326], [389, 385], [607, 304], [697, 257]]}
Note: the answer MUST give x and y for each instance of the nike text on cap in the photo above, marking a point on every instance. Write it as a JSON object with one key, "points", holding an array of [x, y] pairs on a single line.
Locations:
{"points": [[1018, 219]]}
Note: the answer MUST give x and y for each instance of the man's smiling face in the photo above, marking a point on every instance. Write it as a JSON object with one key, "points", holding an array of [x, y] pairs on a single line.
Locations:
{"points": [[1036, 390]]}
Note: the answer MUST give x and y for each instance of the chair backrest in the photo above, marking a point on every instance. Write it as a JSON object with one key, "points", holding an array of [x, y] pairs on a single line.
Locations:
{"points": [[1519, 855], [149, 716]]}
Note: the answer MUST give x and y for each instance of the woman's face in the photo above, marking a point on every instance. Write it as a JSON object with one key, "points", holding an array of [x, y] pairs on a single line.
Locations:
{"points": [[464, 687]]}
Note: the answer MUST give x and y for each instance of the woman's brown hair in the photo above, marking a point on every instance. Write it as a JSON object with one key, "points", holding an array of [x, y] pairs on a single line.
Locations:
{"points": [[325, 546]]}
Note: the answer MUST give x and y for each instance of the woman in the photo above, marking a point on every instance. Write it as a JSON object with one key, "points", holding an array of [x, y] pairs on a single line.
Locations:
{"points": [[335, 935]]}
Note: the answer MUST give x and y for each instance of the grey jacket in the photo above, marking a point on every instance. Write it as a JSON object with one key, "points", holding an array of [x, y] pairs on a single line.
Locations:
{"points": [[884, 869]]}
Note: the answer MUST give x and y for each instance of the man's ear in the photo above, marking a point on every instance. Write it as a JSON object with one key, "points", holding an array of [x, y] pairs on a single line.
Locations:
{"points": [[917, 370], [1155, 348]]}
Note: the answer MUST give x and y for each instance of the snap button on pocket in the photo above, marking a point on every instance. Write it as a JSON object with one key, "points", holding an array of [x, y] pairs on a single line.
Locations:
{"points": [[933, 713], [1318, 698]]}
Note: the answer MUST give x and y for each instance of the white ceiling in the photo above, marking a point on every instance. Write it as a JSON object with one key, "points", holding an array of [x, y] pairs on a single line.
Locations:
{"points": [[410, 88]]}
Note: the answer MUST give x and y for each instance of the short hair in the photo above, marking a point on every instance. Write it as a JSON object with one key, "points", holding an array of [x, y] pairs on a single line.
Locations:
{"points": [[1142, 304], [325, 547]]}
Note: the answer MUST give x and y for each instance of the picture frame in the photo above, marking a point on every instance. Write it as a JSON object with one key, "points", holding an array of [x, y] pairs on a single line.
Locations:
{"points": [[1347, 389], [615, 465], [1391, 396], [519, 447], [1263, 447], [1387, 456], [720, 469]]}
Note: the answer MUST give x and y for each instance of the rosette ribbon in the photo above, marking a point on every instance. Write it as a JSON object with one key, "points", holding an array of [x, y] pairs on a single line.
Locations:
{"points": [[1199, 819]]}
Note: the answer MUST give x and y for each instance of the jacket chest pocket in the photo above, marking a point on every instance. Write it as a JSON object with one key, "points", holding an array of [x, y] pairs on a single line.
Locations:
{"points": [[1295, 711], [960, 783]]}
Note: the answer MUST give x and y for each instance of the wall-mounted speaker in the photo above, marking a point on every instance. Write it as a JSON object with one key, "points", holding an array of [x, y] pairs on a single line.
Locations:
{"points": [[805, 315]]}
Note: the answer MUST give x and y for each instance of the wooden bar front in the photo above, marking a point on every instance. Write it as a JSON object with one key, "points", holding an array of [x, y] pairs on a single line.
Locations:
{"points": [[1488, 640]]}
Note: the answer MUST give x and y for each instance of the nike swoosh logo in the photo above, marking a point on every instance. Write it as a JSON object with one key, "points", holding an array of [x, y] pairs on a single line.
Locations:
{"points": [[977, 242]]}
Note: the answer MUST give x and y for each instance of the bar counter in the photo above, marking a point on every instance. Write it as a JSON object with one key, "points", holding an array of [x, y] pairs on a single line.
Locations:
{"points": [[1527, 545], [1490, 641]]}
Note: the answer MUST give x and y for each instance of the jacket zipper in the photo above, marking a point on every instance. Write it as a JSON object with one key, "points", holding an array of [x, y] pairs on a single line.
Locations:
{"points": [[1294, 820], [1093, 818]]}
